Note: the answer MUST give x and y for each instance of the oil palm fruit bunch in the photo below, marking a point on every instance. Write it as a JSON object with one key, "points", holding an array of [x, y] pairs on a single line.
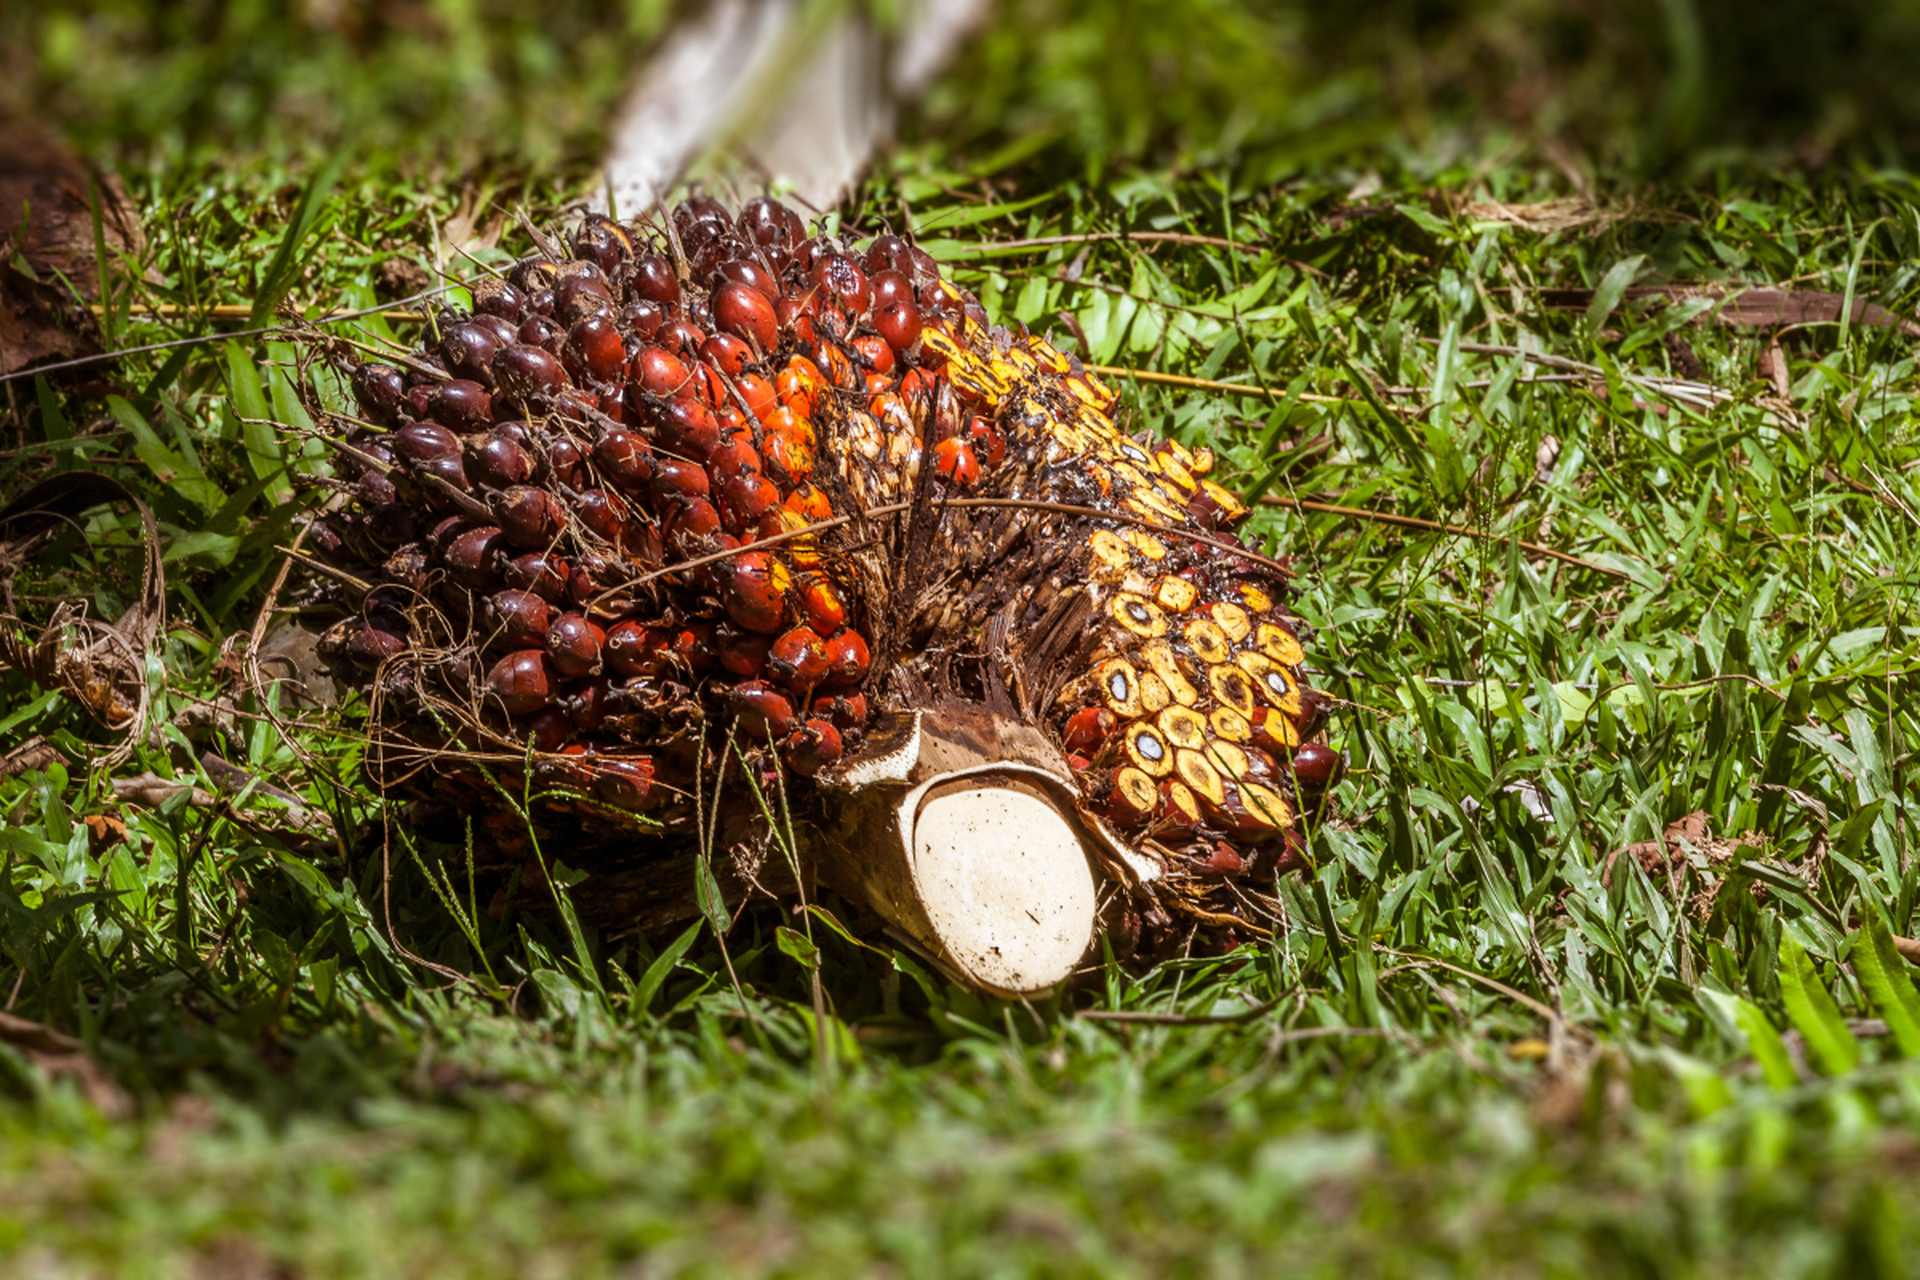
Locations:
{"points": [[711, 493]]}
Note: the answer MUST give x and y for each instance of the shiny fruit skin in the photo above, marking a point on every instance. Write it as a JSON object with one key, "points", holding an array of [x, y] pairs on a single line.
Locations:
{"points": [[524, 681]]}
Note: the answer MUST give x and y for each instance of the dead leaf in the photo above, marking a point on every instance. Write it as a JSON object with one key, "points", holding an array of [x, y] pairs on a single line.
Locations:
{"points": [[48, 271], [58, 1055], [102, 666], [1669, 855], [1750, 308], [103, 831], [1562, 213], [1772, 368], [31, 756]]}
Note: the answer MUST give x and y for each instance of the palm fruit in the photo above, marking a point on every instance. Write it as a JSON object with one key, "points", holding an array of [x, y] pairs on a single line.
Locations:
{"points": [[665, 487]]}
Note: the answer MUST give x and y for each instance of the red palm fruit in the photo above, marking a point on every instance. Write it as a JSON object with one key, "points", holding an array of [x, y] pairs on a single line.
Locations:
{"points": [[728, 354], [524, 681], [740, 652], [688, 429], [820, 603], [989, 444], [735, 423], [586, 705], [899, 322], [799, 384], [954, 461], [798, 659], [916, 384], [380, 390], [764, 712], [758, 395], [873, 352], [847, 711], [745, 500], [1087, 729], [371, 645], [747, 313], [566, 464], [876, 383], [748, 272], [470, 556], [1317, 766], [682, 337], [888, 286], [814, 746], [421, 441], [624, 784], [788, 418], [734, 458], [947, 415], [624, 458], [889, 253], [890, 410], [810, 502], [808, 252], [847, 659], [450, 469], [574, 643], [693, 647], [1178, 816], [676, 480], [525, 374], [374, 490], [795, 317], [789, 458], [642, 320], [709, 388], [1223, 860], [604, 514], [1273, 733], [659, 372], [530, 518], [1131, 799], [655, 280], [498, 463], [840, 280], [833, 362], [582, 294], [549, 730], [602, 242], [543, 334], [520, 618], [505, 332], [751, 589], [633, 649], [766, 221], [690, 530], [542, 574], [594, 346], [468, 349]]}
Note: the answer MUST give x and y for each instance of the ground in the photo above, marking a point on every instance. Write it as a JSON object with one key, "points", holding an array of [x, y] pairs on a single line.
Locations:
{"points": [[1599, 967]]}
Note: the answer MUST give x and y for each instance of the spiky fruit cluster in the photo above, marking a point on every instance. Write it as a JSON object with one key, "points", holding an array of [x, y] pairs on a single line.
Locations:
{"points": [[680, 479]]}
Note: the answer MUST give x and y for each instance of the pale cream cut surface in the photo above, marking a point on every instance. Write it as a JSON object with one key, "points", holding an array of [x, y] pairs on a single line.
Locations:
{"points": [[1006, 884]]}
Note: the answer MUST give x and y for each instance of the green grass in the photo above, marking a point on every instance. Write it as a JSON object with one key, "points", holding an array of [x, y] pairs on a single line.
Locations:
{"points": [[1468, 1049]]}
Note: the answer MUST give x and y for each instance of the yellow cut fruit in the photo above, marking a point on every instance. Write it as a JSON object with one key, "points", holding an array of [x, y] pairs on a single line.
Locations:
{"points": [[1231, 508], [1229, 759], [1208, 641], [1155, 697], [1267, 805], [1120, 686], [1145, 543], [1196, 772], [1255, 599], [1280, 644], [1150, 504], [1160, 656], [1183, 727], [1148, 751], [1178, 805], [1175, 594], [1232, 687], [1175, 470], [1138, 614], [1201, 462], [1273, 681], [1112, 558], [1232, 619], [1228, 723]]}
